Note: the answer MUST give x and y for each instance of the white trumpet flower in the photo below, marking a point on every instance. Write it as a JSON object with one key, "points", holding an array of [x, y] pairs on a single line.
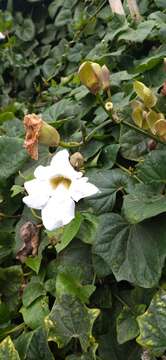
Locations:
{"points": [[55, 190]]}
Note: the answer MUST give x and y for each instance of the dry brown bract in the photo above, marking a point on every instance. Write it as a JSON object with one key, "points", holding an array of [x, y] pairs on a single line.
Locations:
{"points": [[163, 91], [29, 235], [33, 124]]}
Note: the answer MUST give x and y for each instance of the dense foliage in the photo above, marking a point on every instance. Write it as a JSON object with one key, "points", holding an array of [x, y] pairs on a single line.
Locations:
{"points": [[94, 289]]}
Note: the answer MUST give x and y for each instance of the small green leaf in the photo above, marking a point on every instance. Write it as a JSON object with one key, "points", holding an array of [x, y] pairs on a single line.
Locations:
{"points": [[69, 232], [17, 189], [10, 284], [32, 291], [68, 282], [127, 326], [7, 350], [26, 31], [34, 314], [152, 325], [34, 263], [33, 345]]}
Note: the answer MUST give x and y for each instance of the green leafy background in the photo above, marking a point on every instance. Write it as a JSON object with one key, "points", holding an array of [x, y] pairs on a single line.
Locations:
{"points": [[96, 290]]}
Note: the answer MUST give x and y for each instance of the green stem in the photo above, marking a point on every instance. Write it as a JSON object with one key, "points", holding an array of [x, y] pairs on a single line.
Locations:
{"points": [[90, 135], [19, 327], [129, 172], [35, 215], [69, 144], [149, 135]]}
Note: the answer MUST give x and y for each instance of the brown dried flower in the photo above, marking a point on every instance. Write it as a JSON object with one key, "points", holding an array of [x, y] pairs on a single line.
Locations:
{"points": [[38, 131], [33, 124]]}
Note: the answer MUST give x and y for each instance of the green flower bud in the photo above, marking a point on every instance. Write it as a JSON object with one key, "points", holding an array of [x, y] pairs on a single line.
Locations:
{"points": [[48, 135]]}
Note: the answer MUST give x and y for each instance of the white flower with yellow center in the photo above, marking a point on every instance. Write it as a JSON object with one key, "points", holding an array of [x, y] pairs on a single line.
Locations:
{"points": [[55, 189]]}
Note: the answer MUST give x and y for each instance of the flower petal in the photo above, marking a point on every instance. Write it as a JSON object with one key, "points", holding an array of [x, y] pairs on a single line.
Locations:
{"points": [[58, 212], [44, 172], [39, 192], [60, 162], [82, 188]]}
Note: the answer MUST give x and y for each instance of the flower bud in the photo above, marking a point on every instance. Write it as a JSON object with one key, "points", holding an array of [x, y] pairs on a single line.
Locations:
{"points": [[90, 75], [160, 127], [152, 118], [77, 160], [37, 131], [139, 114], [145, 94], [105, 77], [109, 106], [48, 135]]}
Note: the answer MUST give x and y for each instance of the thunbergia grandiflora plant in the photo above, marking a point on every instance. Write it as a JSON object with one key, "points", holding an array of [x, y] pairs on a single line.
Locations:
{"points": [[83, 198]]}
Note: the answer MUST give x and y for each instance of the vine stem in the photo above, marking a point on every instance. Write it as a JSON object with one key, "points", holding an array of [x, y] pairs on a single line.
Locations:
{"points": [[70, 144], [129, 172]]}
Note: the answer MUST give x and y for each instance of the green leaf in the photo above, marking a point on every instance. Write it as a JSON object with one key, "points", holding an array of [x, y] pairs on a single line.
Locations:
{"points": [[109, 183], [135, 253], [10, 285], [87, 228], [153, 168], [12, 156], [50, 68], [109, 155], [152, 325], [160, 4], [34, 263], [26, 31], [132, 144], [70, 231], [7, 350], [140, 34], [16, 189], [32, 291], [143, 204], [33, 345], [34, 314], [68, 282], [68, 319], [6, 116], [150, 61], [127, 326], [63, 108]]}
